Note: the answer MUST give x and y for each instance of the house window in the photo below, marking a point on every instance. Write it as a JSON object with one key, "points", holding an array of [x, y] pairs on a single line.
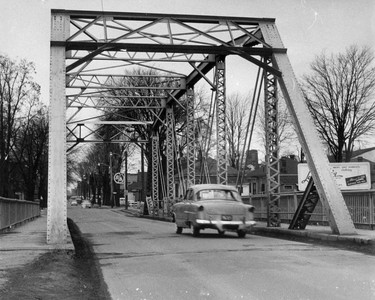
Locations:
{"points": [[189, 195], [263, 188], [254, 188], [288, 187], [283, 166]]}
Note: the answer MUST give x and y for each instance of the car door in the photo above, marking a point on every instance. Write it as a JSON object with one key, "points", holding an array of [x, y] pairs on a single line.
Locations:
{"points": [[180, 211], [189, 205]]}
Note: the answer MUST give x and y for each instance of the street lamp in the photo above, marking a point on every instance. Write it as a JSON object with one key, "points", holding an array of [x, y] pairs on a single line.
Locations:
{"points": [[125, 154], [111, 177]]}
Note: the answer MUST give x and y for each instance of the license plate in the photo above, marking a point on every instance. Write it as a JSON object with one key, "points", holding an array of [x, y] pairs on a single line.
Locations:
{"points": [[226, 218]]}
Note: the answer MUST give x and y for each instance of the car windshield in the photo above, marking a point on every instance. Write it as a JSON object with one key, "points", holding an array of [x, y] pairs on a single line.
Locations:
{"points": [[213, 194]]}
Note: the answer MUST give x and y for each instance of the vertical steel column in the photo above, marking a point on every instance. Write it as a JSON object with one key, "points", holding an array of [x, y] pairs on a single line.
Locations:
{"points": [[155, 174], [329, 193], [221, 127], [170, 156], [272, 148], [190, 136], [57, 205]]}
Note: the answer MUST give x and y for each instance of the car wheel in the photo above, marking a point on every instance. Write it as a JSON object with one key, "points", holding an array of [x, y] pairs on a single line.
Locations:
{"points": [[179, 230], [195, 231], [241, 233], [221, 232]]}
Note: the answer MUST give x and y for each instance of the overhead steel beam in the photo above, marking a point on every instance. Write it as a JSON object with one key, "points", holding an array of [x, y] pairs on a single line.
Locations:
{"points": [[162, 48], [89, 14]]}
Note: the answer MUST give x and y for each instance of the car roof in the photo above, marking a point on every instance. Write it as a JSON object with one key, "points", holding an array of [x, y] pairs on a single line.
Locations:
{"points": [[205, 186]]}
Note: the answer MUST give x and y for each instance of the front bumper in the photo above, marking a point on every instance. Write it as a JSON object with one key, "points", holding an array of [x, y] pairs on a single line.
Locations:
{"points": [[225, 224]]}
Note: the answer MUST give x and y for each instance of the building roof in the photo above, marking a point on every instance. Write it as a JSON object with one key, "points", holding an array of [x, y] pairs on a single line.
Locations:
{"points": [[362, 151], [290, 167], [211, 165]]}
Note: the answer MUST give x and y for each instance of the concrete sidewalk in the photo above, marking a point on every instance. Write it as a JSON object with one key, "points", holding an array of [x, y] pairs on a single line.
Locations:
{"points": [[323, 233], [25, 243]]}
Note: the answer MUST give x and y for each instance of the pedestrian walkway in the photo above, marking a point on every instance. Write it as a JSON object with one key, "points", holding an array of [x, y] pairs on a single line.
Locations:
{"points": [[323, 233], [25, 243]]}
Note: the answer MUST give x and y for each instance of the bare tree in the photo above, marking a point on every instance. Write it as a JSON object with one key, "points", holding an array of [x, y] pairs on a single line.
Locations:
{"points": [[286, 132], [30, 151], [18, 93], [237, 117], [339, 93]]}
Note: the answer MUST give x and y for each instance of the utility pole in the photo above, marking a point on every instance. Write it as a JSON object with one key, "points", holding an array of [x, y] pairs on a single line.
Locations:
{"points": [[126, 180], [111, 177]]}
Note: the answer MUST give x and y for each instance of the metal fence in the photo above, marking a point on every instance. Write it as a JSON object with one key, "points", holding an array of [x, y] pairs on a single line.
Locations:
{"points": [[361, 205], [13, 211]]}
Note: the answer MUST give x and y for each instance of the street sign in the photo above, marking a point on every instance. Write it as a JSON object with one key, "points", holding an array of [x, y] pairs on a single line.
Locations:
{"points": [[119, 178]]}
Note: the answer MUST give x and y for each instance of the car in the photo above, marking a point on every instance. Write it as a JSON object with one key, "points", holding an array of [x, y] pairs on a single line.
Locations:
{"points": [[86, 204], [73, 202], [213, 206], [131, 203], [77, 199]]}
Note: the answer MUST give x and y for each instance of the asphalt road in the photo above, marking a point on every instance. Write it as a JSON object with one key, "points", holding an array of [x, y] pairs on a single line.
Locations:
{"points": [[146, 259]]}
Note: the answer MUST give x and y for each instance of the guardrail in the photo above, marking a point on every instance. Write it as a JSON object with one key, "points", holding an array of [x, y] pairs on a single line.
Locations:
{"points": [[361, 205], [14, 211]]}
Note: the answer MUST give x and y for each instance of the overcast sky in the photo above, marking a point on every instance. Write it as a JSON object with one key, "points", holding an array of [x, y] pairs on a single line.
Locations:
{"points": [[307, 27]]}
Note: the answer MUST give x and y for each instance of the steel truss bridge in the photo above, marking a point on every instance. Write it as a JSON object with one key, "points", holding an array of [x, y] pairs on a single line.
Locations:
{"points": [[90, 51]]}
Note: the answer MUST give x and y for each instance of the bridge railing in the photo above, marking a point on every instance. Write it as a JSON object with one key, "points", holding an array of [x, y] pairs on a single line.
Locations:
{"points": [[361, 205], [14, 211]]}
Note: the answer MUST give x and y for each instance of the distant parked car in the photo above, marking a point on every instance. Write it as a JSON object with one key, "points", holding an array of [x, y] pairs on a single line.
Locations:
{"points": [[73, 203], [78, 199], [213, 206], [86, 204], [131, 202]]}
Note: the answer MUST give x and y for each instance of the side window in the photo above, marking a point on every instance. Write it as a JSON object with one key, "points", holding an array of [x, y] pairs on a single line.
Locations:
{"points": [[189, 195]]}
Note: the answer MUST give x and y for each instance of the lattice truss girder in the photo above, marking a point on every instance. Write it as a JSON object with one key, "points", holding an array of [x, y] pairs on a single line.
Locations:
{"points": [[103, 131], [127, 39], [272, 147], [100, 46], [190, 137], [120, 91], [155, 174], [221, 123], [170, 149]]}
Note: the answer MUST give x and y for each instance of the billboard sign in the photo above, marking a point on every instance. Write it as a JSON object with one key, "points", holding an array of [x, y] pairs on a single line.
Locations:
{"points": [[348, 176]]}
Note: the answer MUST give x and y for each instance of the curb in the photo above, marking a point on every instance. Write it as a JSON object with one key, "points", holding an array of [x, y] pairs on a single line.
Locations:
{"points": [[276, 231], [357, 239]]}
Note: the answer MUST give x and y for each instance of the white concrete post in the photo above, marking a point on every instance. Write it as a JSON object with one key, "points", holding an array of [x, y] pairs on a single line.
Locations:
{"points": [[57, 202]]}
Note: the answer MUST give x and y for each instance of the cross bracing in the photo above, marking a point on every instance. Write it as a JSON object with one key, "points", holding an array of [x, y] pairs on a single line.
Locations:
{"points": [[94, 54]]}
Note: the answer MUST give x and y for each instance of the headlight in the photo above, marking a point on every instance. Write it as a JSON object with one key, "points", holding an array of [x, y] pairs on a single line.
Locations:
{"points": [[201, 208]]}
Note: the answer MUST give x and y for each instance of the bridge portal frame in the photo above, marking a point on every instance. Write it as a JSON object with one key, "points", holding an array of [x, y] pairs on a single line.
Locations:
{"points": [[79, 39]]}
